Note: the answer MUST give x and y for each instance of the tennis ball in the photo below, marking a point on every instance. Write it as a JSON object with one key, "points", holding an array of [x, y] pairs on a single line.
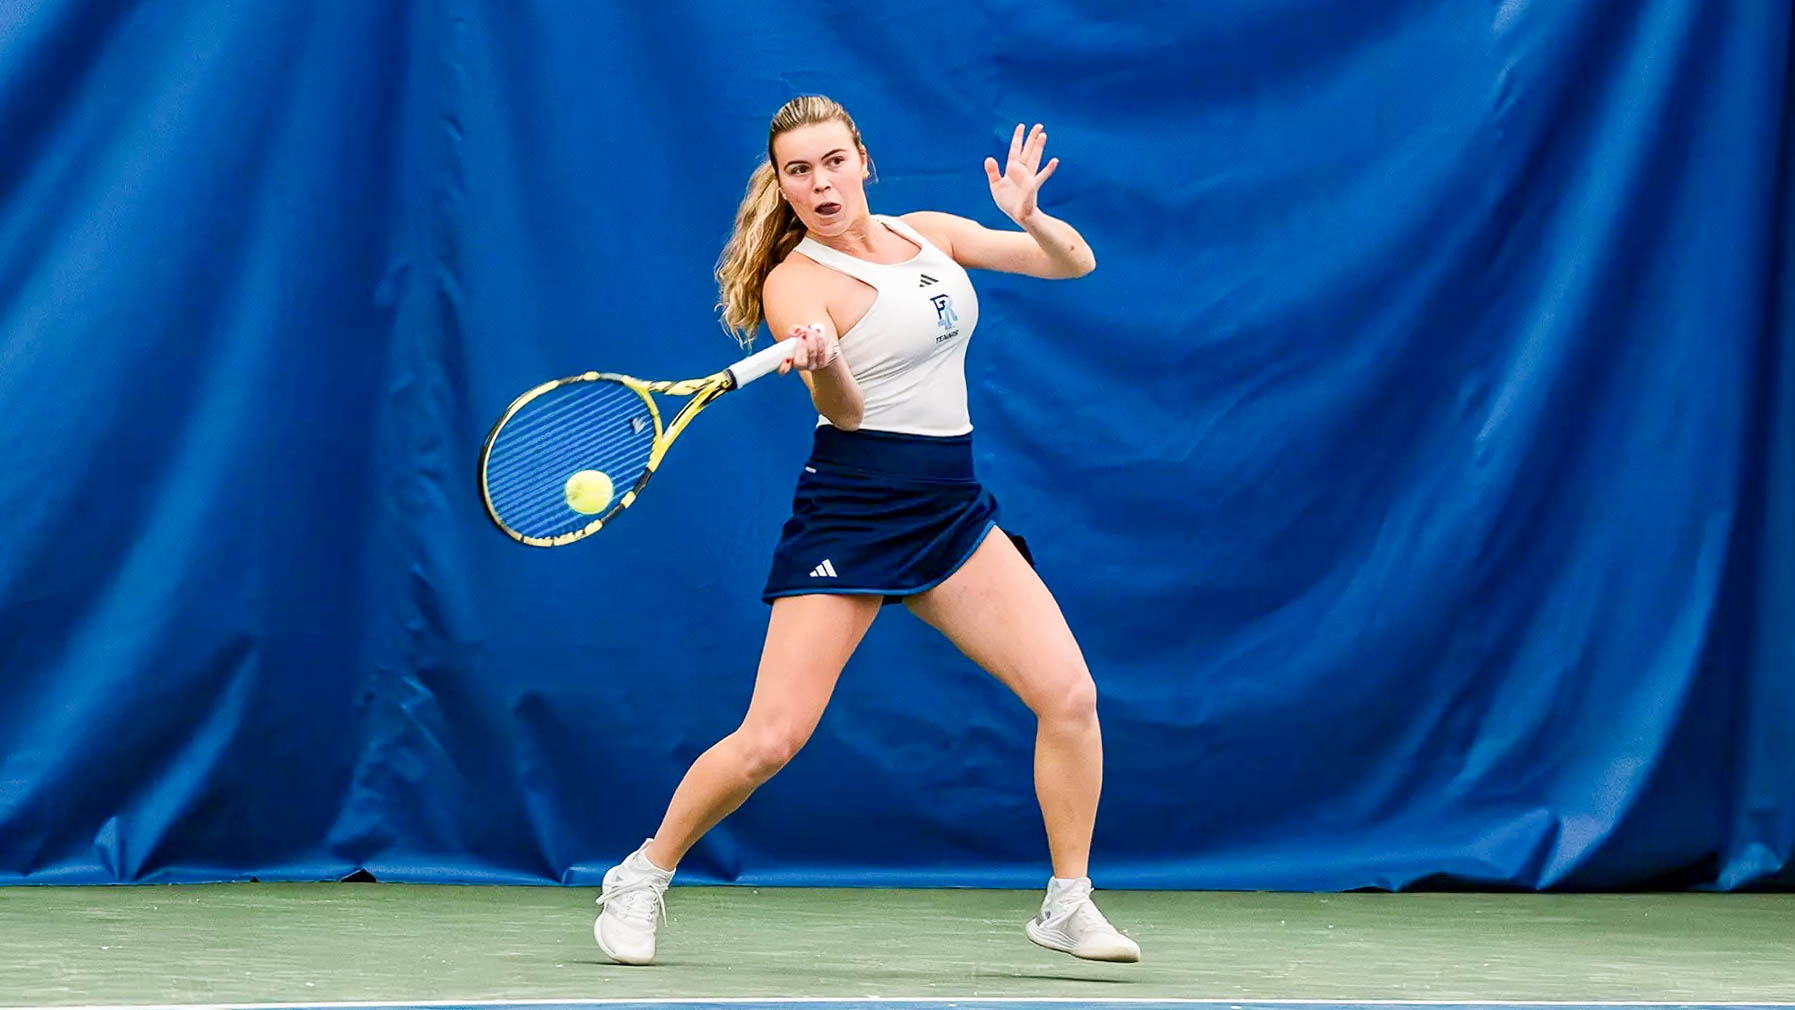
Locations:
{"points": [[589, 491]]}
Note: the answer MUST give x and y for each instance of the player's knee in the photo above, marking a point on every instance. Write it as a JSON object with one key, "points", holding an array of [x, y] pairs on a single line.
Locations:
{"points": [[1072, 700], [766, 749]]}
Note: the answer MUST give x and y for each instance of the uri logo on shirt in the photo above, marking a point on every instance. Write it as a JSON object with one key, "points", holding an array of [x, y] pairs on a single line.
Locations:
{"points": [[944, 311]]}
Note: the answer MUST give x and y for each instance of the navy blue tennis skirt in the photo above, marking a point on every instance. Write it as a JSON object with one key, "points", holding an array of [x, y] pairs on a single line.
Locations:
{"points": [[881, 513]]}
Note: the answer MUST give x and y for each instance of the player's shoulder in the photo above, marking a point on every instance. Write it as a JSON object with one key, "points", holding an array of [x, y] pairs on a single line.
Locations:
{"points": [[793, 279], [933, 219], [795, 268], [937, 226]]}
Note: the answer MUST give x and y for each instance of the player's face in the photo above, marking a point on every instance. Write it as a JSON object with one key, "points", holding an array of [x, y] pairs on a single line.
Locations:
{"points": [[822, 174]]}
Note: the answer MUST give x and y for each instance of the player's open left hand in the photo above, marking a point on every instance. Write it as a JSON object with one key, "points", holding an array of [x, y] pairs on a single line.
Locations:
{"points": [[1014, 191]]}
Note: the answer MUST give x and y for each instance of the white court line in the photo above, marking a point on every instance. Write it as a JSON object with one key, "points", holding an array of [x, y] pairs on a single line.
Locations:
{"points": [[482, 1004]]}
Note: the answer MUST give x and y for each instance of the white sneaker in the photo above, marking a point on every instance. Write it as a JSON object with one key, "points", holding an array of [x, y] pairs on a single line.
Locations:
{"points": [[634, 903], [1069, 922]]}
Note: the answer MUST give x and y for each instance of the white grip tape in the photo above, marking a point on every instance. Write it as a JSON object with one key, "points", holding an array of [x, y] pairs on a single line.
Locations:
{"points": [[761, 362]]}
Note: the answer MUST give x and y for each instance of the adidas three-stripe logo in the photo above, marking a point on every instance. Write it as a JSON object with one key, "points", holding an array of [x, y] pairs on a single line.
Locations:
{"points": [[823, 571], [927, 280]]}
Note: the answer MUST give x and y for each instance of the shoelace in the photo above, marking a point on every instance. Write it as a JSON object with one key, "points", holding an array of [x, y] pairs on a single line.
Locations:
{"points": [[1076, 908], [1086, 915], [640, 901]]}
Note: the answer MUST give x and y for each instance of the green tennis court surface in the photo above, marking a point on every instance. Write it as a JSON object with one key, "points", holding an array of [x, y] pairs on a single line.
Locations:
{"points": [[1011, 1004], [306, 945]]}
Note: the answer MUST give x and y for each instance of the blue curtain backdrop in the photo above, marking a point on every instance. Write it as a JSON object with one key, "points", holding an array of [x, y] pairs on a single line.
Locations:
{"points": [[1417, 468]]}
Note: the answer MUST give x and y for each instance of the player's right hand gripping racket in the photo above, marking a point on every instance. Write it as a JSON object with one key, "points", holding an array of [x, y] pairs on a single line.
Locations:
{"points": [[570, 455]]}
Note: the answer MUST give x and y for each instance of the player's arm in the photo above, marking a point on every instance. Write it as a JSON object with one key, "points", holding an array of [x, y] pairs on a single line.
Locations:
{"points": [[795, 311], [1046, 247]]}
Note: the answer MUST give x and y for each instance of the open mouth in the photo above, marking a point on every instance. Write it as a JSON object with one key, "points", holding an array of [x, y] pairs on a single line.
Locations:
{"points": [[828, 209]]}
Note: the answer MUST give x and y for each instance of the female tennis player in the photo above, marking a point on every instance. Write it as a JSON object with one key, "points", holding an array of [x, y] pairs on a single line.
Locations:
{"points": [[888, 507]]}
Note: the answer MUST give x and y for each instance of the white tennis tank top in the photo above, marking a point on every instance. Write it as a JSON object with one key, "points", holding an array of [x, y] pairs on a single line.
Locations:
{"points": [[908, 353]]}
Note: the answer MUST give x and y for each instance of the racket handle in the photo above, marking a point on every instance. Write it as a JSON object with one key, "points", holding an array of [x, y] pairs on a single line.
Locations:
{"points": [[767, 359]]}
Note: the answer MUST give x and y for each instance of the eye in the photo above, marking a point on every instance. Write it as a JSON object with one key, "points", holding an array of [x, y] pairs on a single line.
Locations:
{"points": [[836, 161]]}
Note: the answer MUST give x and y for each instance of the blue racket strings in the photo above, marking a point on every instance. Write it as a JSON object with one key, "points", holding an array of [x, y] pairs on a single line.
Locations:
{"points": [[599, 425]]}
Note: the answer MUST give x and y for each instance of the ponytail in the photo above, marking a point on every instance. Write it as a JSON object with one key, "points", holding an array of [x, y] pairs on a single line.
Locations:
{"points": [[766, 231]]}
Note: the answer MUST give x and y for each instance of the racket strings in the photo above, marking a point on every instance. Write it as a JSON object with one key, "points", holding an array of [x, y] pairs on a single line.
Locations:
{"points": [[599, 425], [525, 467], [572, 405], [549, 514], [549, 509]]}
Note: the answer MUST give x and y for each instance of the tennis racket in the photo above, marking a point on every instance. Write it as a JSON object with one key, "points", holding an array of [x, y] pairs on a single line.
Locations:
{"points": [[569, 456]]}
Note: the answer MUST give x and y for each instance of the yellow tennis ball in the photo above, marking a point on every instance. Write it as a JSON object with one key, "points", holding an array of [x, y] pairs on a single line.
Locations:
{"points": [[589, 492]]}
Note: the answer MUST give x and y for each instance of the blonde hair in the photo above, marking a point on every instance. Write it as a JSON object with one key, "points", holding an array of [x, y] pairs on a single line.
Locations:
{"points": [[766, 227]]}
